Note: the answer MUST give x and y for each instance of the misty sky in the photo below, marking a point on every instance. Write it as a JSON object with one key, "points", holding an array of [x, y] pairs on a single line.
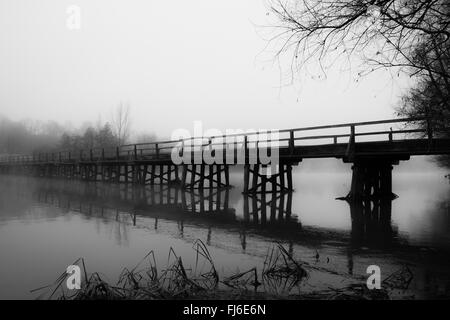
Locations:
{"points": [[173, 61]]}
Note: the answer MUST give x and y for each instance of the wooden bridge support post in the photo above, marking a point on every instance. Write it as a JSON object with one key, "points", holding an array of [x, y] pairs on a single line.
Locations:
{"points": [[257, 181], [386, 180], [184, 171], [156, 174], [143, 176], [246, 178], [194, 178], [371, 179]]}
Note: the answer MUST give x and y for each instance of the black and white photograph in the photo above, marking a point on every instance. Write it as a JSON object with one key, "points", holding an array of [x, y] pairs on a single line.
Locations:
{"points": [[242, 151]]}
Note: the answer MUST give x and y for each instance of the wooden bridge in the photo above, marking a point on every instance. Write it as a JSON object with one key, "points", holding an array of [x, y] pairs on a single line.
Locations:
{"points": [[373, 147]]}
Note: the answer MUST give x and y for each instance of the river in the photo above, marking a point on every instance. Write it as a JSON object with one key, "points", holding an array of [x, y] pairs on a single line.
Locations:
{"points": [[46, 224]]}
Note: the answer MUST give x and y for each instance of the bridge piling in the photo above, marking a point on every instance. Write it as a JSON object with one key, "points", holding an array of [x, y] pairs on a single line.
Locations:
{"points": [[371, 179], [204, 176], [258, 177]]}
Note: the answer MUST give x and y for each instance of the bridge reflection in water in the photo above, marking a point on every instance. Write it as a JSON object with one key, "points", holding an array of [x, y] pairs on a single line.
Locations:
{"points": [[371, 222], [267, 214]]}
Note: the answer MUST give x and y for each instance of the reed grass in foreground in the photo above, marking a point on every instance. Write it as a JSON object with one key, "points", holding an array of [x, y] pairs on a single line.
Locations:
{"points": [[281, 274]]}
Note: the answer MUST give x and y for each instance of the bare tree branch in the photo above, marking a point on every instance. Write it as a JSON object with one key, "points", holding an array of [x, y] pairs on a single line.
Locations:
{"points": [[120, 120]]}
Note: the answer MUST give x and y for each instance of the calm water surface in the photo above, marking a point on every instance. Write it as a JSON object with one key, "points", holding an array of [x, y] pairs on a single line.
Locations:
{"points": [[47, 224]]}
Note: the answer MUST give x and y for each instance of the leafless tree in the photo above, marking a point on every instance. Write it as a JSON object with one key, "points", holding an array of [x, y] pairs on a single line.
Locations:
{"points": [[410, 36], [121, 123], [384, 33]]}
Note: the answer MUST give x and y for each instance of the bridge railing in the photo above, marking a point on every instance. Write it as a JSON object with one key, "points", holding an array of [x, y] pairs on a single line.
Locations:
{"points": [[348, 133]]}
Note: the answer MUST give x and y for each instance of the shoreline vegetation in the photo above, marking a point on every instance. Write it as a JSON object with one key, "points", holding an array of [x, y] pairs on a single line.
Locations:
{"points": [[279, 278]]}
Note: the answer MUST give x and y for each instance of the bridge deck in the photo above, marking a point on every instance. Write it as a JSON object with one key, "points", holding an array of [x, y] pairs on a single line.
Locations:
{"points": [[348, 142], [401, 149]]}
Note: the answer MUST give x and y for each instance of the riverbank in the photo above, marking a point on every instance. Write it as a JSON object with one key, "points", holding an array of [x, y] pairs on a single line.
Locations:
{"points": [[280, 278]]}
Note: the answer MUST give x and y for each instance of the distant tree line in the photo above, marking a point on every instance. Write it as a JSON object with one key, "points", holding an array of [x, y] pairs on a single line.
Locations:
{"points": [[28, 136], [24, 137], [91, 138]]}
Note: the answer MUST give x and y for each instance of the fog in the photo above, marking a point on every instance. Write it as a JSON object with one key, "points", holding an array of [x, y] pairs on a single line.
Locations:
{"points": [[173, 62]]}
